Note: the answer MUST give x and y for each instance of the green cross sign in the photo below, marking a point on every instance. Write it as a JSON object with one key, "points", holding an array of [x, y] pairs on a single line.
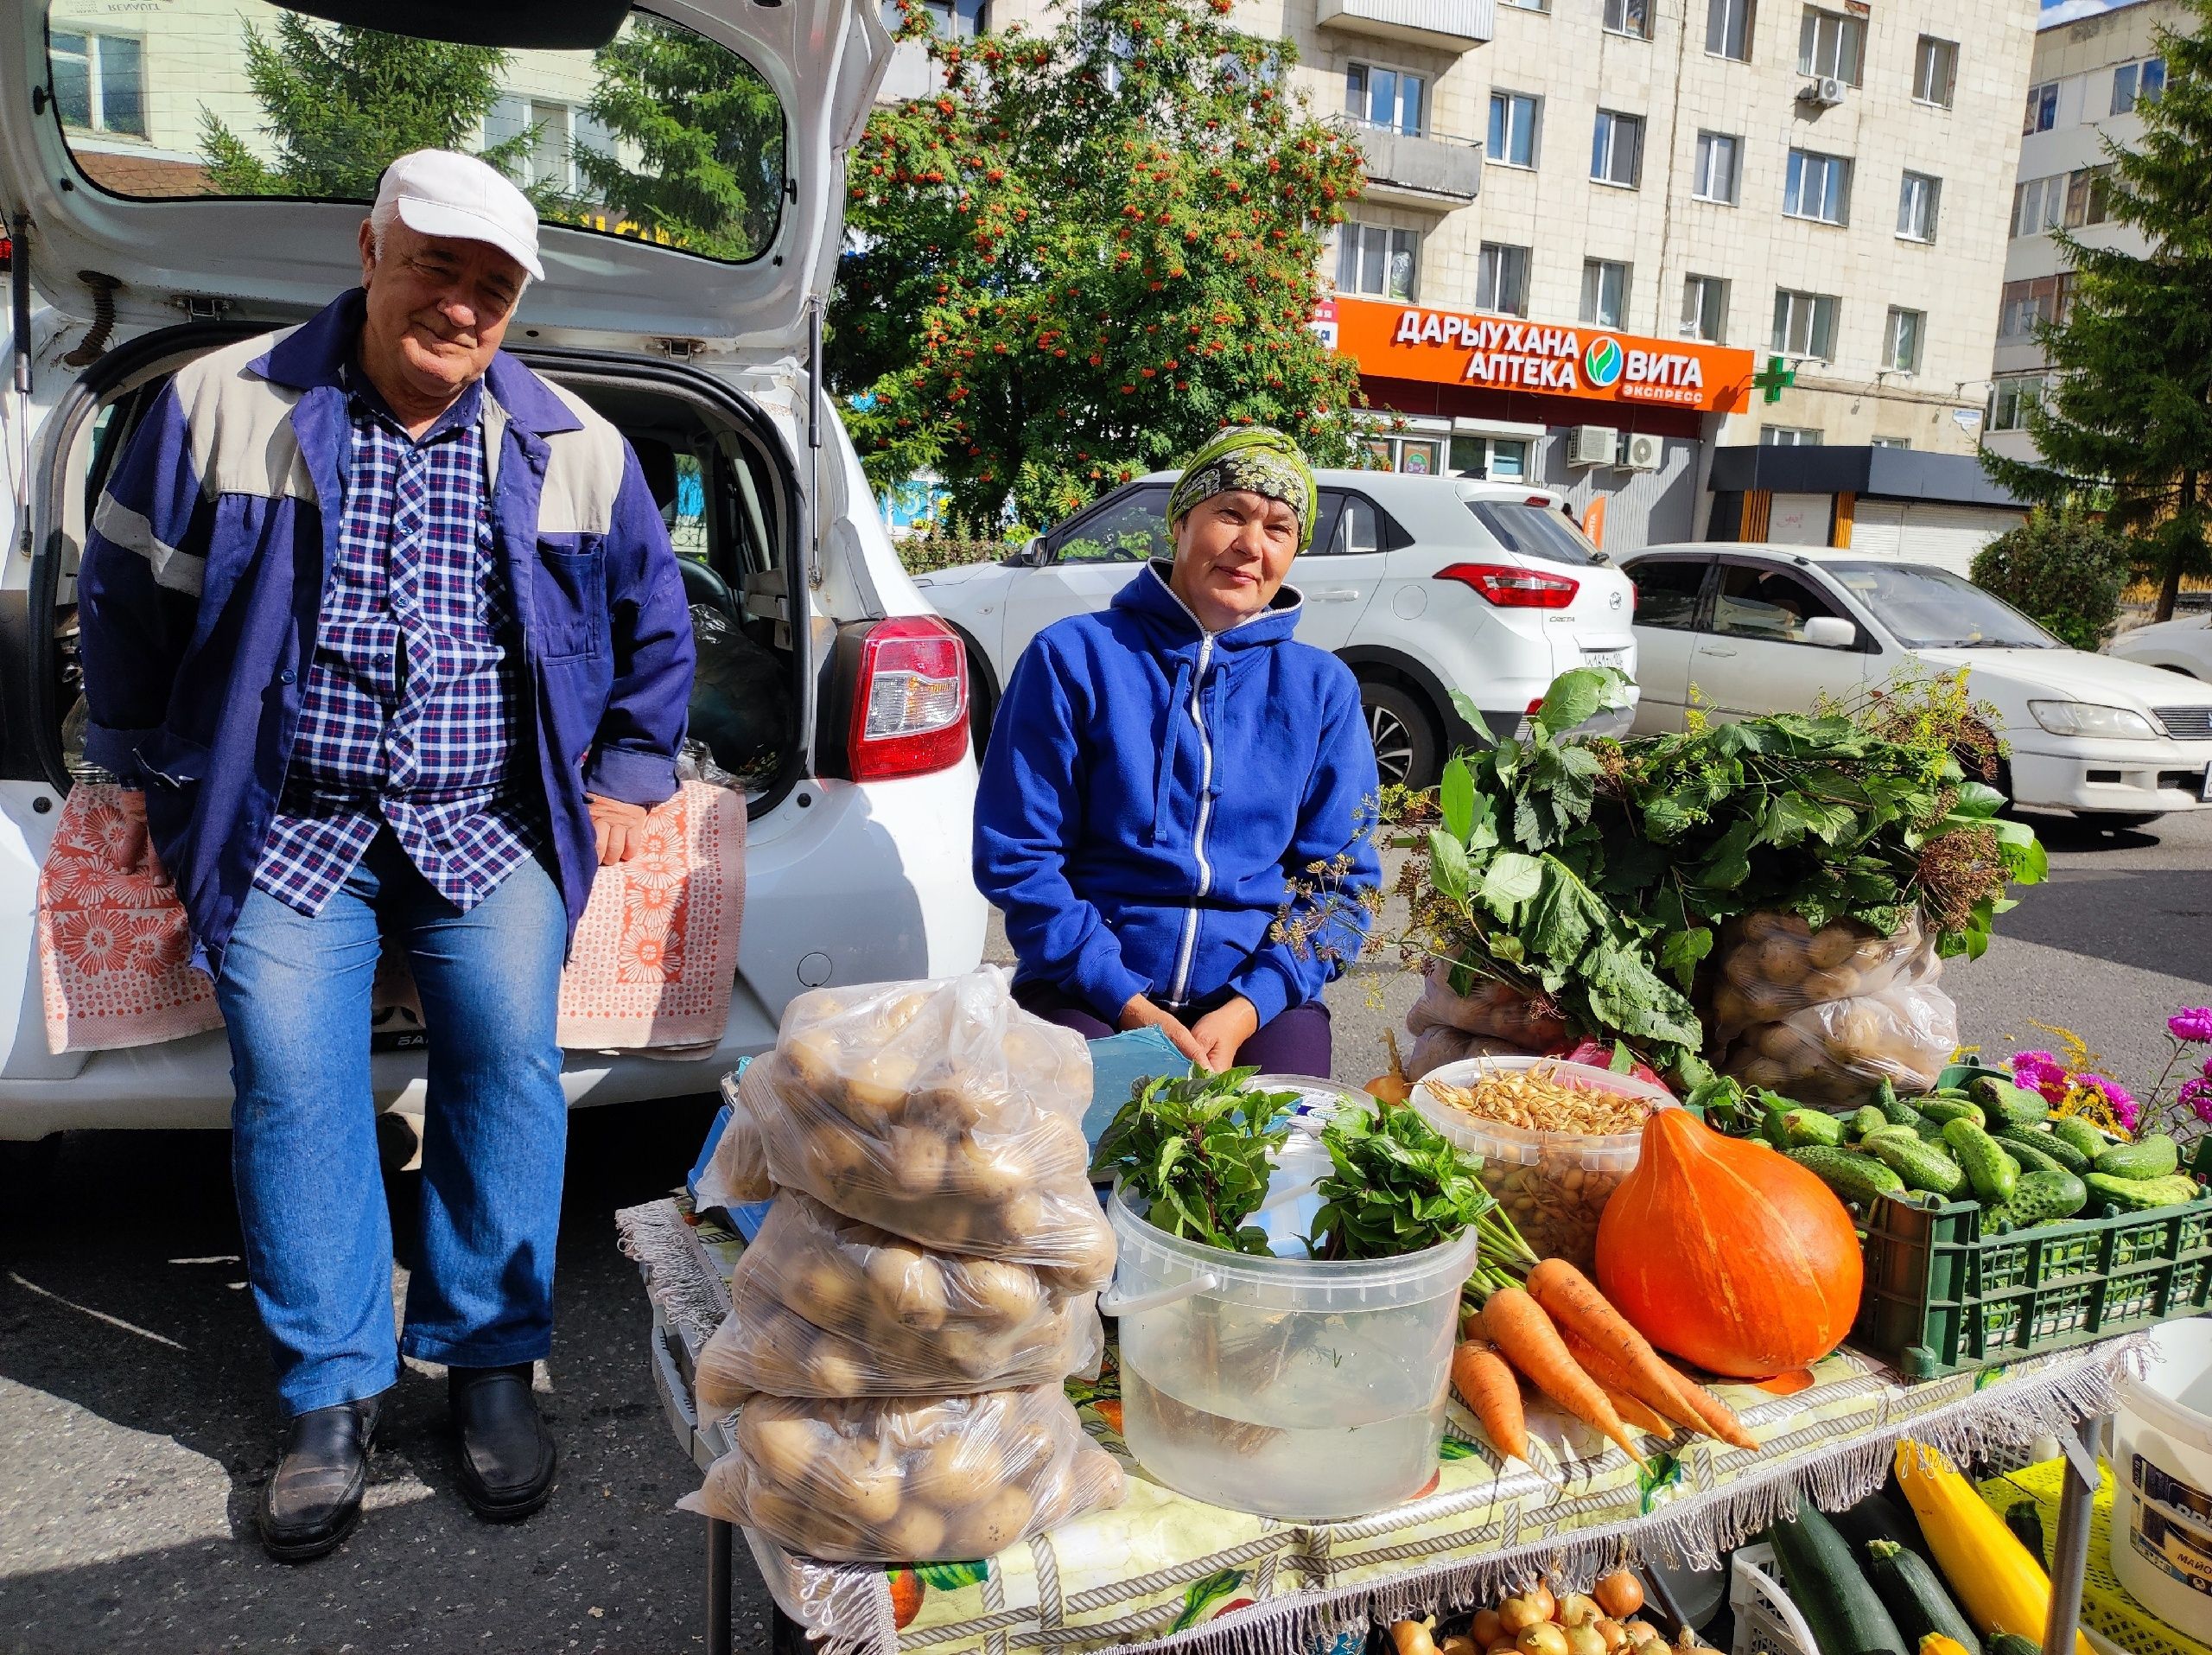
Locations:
{"points": [[1774, 378]]}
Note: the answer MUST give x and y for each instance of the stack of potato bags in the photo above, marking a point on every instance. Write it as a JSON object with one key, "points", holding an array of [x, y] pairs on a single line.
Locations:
{"points": [[925, 1279]]}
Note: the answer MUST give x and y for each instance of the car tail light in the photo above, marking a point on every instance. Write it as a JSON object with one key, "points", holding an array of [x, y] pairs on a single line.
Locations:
{"points": [[910, 700], [1514, 589]]}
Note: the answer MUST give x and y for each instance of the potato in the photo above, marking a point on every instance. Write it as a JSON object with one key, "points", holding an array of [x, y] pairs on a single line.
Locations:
{"points": [[1730, 1008], [876, 1090], [910, 1287], [997, 1523], [1782, 963], [916, 1160], [828, 1291], [1023, 1215], [791, 1521], [814, 1055], [971, 1352], [837, 1154], [917, 1531], [1830, 946], [874, 1495], [1005, 1292], [1841, 983], [1060, 1149], [993, 1170], [1781, 1042], [831, 1368], [785, 1450]]}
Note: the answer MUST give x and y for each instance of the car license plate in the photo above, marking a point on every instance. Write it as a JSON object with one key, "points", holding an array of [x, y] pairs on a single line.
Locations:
{"points": [[1619, 658], [2204, 792]]}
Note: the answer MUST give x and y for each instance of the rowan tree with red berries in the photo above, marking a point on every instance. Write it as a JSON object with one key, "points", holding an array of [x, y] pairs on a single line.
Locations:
{"points": [[1091, 250]]}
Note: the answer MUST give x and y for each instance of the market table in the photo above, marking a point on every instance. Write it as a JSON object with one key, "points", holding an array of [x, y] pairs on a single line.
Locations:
{"points": [[1164, 1572]]}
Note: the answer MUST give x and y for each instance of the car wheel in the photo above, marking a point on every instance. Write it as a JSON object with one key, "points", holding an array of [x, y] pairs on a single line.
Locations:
{"points": [[1405, 738]]}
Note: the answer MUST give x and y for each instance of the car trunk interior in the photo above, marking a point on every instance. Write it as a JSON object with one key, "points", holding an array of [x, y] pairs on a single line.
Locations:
{"points": [[715, 465]]}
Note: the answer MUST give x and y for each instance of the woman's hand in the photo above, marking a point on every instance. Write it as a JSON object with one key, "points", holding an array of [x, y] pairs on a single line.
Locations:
{"points": [[1222, 1031], [137, 852], [620, 828], [1140, 1013]]}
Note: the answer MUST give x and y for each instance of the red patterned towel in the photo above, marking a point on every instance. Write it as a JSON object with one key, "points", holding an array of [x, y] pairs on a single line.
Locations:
{"points": [[653, 964]]}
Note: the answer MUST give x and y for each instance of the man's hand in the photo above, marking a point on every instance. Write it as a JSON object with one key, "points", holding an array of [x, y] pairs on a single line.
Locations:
{"points": [[136, 853], [1222, 1031], [620, 828], [1140, 1013]]}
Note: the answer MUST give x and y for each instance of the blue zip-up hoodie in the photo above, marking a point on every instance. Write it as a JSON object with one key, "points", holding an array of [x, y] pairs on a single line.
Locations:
{"points": [[201, 587], [1148, 791]]}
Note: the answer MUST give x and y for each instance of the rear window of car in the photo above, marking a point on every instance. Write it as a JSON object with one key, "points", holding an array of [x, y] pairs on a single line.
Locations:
{"points": [[1534, 531], [661, 134]]}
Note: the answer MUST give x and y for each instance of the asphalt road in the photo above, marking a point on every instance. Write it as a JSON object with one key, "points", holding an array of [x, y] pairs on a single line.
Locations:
{"points": [[136, 1428]]}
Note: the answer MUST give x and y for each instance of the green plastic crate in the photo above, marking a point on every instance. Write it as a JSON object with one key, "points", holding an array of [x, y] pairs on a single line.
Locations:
{"points": [[1942, 1298]]}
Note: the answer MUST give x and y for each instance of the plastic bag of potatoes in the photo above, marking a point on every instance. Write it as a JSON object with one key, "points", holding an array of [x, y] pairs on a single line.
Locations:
{"points": [[1772, 965], [1832, 1053], [823, 1305], [940, 1112], [1492, 1018], [903, 1480], [737, 1172]]}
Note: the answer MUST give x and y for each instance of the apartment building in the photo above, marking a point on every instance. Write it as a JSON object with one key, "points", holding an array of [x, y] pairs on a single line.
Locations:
{"points": [[2089, 81]]}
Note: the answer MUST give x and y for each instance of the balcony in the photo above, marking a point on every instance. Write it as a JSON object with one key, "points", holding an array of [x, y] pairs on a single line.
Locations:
{"points": [[1430, 175], [1442, 25], [909, 76]]}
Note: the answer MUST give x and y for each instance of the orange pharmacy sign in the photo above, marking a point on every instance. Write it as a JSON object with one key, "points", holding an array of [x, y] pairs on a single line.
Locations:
{"points": [[1404, 341]]}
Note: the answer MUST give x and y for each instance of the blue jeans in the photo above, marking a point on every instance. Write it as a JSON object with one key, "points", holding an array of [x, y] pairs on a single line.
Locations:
{"points": [[296, 997]]}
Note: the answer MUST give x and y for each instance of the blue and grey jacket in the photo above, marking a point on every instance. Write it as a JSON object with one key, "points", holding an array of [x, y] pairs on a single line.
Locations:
{"points": [[202, 583], [1149, 791]]}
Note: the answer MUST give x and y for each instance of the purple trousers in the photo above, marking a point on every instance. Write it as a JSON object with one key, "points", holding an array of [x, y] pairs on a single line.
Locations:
{"points": [[1295, 1042]]}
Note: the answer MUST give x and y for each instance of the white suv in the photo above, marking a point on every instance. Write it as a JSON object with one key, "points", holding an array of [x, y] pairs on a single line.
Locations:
{"points": [[862, 786], [1428, 588]]}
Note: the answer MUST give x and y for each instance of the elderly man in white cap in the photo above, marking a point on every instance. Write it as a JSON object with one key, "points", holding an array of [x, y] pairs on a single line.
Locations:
{"points": [[387, 633]]}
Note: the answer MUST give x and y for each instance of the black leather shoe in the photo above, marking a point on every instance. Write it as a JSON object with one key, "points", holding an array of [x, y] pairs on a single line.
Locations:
{"points": [[508, 1457], [313, 1499]]}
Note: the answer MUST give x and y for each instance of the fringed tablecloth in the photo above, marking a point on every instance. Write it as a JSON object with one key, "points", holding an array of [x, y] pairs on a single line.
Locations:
{"points": [[1165, 1572]]}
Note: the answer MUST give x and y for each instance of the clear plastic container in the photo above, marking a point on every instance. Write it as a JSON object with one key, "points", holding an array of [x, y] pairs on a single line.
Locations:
{"points": [[1552, 1185], [1280, 1385]]}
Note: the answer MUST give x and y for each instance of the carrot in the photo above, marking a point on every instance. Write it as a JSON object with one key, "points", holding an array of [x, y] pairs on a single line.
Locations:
{"points": [[1716, 1417], [1517, 1324], [1492, 1392], [1613, 1378], [1637, 1416], [1573, 1302]]}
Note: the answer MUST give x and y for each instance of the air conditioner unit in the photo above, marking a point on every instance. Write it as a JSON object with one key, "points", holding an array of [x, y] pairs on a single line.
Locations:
{"points": [[1593, 445], [1643, 452], [1825, 92]]}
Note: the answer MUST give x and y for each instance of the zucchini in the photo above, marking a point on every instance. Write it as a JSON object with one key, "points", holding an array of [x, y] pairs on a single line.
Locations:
{"points": [[1823, 1579], [2002, 1100], [1880, 1517], [1994, 1173], [2034, 1150], [1852, 1176], [1922, 1166], [1807, 1128], [2012, 1643], [2024, 1519], [2077, 1134], [2152, 1157], [1947, 1109], [2140, 1194], [2039, 1197], [1915, 1596], [1866, 1119]]}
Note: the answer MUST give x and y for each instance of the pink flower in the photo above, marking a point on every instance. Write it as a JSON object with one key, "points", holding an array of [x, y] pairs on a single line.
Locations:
{"points": [[2197, 1095], [2040, 1072], [2193, 1024], [2117, 1098]]}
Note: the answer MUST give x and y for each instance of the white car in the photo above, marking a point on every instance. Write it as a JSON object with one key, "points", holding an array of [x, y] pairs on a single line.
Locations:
{"points": [[1424, 586], [2182, 645], [857, 853], [1746, 629]]}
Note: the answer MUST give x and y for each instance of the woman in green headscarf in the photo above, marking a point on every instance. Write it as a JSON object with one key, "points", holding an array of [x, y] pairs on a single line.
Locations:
{"points": [[1159, 774]]}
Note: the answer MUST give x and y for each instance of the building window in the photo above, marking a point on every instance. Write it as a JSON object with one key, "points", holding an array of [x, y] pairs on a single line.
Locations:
{"points": [[1830, 43], [1501, 278], [1604, 293], [1918, 201], [1388, 98], [1728, 29], [1934, 71], [99, 82], [1790, 437], [2023, 305], [2087, 197], [1889, 442], [1513, 128], [1375, 261], [1528, 5], [948, 19], [2011, 399], [2137, 83], [553, 133], [1818, 186], [2038, 204], [1901, 339], [1705, 308], [2042, 108], [1628, 18], [1804, 324], [1498, 459], [1616, 150], [1715, 177]]}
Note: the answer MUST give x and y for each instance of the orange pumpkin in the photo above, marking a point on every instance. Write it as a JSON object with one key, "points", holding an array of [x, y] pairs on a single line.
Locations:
{"points": [[1727, 1253]]}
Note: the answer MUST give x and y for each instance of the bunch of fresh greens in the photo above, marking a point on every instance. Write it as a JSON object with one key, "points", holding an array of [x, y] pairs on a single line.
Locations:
{"points": [[1395, 1185], [1196, 1151]]}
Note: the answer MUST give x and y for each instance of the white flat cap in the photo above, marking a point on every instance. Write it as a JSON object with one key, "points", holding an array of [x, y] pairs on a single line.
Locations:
{"points": [[441, 192]]}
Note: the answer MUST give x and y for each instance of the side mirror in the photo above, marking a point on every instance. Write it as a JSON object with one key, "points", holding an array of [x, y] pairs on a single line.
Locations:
{"points": [[1031, 555], [1831, 632]]}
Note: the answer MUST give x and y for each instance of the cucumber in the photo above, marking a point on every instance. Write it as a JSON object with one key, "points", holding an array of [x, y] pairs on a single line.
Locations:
{"points": [[1922, 1166], [2140, 1194], [2077, 1134], [2024, 1519], [2066, 1154], [1772, 1124], [2002, 1100], [1915, 1597], [1807, 1128], [1898, 1113], [2037, 1198], [1994, 1173], [1823, 1579], [1866, 1119], [1947, 1109], [2032, 1150], [2150, 1158], [1852, 1176], [1952, 1091]]}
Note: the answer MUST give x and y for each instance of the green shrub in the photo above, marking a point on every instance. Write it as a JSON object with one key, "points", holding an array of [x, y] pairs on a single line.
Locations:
{"points": [[2066, 570]]}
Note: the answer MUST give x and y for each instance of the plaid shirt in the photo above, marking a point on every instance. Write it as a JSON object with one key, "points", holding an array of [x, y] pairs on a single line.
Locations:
{"points": [[413, 704]]}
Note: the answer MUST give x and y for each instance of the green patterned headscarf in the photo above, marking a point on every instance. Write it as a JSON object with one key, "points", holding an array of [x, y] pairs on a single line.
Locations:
{"points": [[1253, 458]]}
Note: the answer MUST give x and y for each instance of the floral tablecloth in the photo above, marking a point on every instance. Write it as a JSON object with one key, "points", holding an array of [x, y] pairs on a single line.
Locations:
{"points": [[1162, 1571]]}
